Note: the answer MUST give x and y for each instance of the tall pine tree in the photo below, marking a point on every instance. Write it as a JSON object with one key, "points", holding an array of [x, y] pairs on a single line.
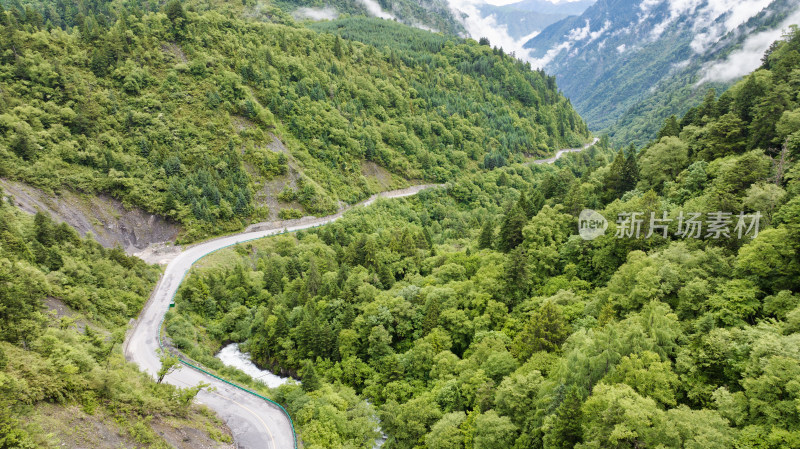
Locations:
{"points": [[487, 234], [564, 429], [630, 173], [614, 180], [310, 378], [511, 229], [671, 127]]}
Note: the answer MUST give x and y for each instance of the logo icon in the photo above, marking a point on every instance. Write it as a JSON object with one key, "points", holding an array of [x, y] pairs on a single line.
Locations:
{"points": [[591, 224]]}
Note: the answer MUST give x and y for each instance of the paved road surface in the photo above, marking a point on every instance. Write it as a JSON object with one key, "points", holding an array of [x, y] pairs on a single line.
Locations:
{"points": [[254, 422], [560, 153]]}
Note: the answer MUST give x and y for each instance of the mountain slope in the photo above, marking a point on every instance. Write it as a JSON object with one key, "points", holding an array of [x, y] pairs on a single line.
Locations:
{"points": [[205, 118], [520, 23], [620, 53], [688, 82], [65, 303], [480, 309], [569, 8]]}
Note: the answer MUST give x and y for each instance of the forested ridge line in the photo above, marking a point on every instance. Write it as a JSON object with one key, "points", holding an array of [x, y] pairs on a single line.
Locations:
{"points": [[174, 109], [476, 316]]}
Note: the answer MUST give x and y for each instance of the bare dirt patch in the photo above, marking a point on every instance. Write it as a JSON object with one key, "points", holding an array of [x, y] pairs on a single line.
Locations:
{"points": [[70, 426], [181, 436], [109, 222], [240, 123], [277, 146], [267, 190], [61, 310], [176, 51], [378, 178]]}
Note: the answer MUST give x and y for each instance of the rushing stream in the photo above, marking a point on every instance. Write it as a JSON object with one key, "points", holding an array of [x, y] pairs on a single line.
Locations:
{"points": [[231, 356]]}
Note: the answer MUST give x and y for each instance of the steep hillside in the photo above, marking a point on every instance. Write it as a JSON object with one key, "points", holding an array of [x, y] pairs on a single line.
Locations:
{"points": [[175, 111], [688, 83], [635, 296], [65, 303], [642, 61], [480, 316]]}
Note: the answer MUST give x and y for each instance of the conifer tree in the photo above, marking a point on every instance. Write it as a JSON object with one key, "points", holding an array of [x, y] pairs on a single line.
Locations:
{"points": [[487, 234], [310, 379], [337, 47], [43, 226], [614, 180], [630, 174], [511, 229], [175, 13], [565, 429], [708, 110], [517, 276], [536, 202], [747, 98], [671, 127]]}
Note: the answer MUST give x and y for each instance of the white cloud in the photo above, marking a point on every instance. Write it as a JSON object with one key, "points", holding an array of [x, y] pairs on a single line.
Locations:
{"points": [[327, 13], [738, 12], [681, 64], [704, 14], [655, 33], [579, 34], [375, 9], [677, 8], [595, 34], [575, 36], [621, 49], [524, 39], [648, 5], [424, 27], [704, 39], [478, 26], [550, 55], [748, 58], [508, 2]]}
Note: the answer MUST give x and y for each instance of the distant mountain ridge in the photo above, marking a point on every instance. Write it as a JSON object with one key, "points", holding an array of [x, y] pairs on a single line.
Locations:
{"points": [[621, 55], [528, 16], [432, 15], [548, 7]]}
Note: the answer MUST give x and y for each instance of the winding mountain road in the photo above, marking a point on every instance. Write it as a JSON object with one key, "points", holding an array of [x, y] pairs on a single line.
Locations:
{"points": [[254, 422], [560, 153]]}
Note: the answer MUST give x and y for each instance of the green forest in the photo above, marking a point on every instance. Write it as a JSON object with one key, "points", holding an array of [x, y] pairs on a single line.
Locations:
{"points": [[470, 316], [474, 316], [172, 110], [75, 359]]}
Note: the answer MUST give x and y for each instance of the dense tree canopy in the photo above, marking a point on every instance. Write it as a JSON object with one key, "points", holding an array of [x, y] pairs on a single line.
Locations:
{"points": [[470, 316], [64, 306], [175, 110], [474, 316]]}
